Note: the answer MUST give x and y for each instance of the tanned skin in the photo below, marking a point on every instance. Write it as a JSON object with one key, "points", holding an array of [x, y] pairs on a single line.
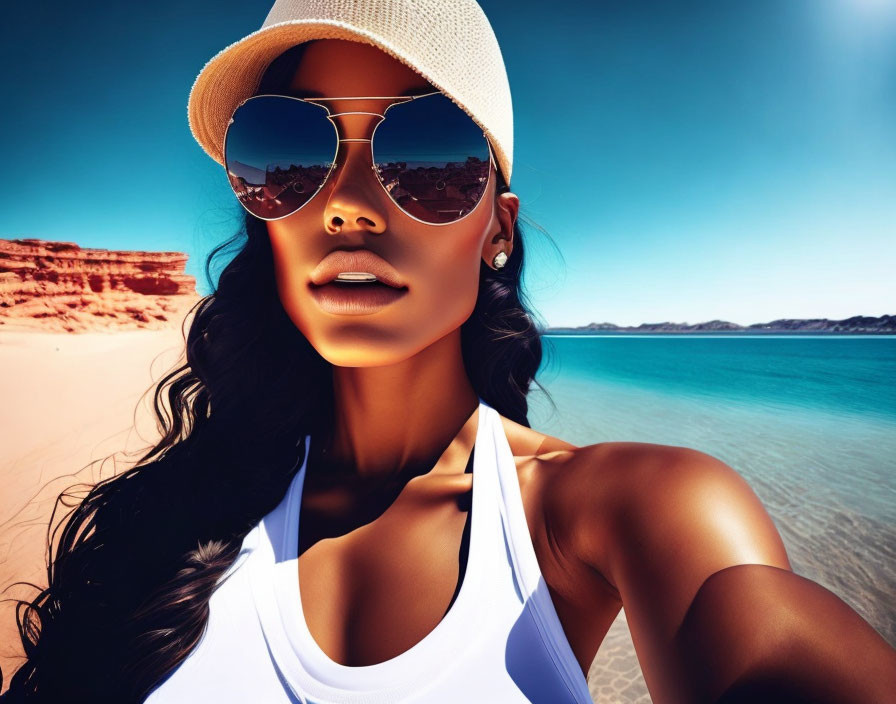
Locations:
{"points": [[673, 534]]}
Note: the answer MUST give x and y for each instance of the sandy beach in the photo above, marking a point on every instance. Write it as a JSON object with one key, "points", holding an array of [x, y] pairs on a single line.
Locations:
{"points": [[75, 411], [79, 410]]}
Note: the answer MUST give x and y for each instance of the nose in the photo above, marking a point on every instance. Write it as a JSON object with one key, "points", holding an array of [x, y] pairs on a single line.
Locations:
{"points": [[354, 202]]}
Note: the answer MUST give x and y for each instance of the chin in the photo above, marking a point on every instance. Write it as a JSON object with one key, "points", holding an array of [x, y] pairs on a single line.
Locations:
{"points": [[360, 359], [355, 351]]}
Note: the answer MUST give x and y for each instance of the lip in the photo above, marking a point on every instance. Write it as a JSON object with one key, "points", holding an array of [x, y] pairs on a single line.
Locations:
{"points": [[355, 299], [355, 260]]}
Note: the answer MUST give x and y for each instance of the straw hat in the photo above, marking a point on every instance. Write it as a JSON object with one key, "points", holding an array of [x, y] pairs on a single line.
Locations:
{"points": [[448, 42]]}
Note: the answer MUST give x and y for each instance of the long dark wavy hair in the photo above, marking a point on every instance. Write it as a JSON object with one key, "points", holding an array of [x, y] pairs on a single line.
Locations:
{"points": [[140, 555]]}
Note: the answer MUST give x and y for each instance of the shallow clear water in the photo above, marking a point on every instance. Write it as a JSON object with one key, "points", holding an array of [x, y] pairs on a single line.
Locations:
{"points": [[809, 422]]}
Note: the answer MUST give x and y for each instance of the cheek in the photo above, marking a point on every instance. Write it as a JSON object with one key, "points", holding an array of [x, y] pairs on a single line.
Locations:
{"points": [[446, 270], [449, 284], [291, 267], [284, 268]]}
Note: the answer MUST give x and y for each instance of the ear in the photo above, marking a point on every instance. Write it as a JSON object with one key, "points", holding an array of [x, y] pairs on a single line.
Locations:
{"points": [[507, 207]]}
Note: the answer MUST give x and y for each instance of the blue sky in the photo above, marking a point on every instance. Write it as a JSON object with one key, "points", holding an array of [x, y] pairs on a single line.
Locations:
{"points": [[690, 160]]}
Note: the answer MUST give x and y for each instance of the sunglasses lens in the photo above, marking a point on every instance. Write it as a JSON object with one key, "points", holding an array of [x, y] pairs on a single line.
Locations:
{"points": [[432, 159], [278, 152]]}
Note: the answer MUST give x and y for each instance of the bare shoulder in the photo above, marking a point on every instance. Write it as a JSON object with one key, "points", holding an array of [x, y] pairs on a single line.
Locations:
{"points": [[670, 505], [657, 522], [617, 502]]}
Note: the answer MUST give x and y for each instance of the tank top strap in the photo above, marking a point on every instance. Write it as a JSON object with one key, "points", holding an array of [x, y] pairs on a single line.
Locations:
{"points": [[526, 569]]}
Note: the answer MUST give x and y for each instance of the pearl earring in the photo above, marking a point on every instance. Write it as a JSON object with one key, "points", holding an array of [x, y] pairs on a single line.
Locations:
{"points": [[500, 260]]}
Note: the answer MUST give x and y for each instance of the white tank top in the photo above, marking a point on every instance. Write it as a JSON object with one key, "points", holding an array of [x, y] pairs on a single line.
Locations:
{"points": [[501, 640]]}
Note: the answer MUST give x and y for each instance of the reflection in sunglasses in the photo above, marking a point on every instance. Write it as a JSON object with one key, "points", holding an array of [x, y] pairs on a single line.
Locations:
{"points": [[295, 182], [442, 193]]}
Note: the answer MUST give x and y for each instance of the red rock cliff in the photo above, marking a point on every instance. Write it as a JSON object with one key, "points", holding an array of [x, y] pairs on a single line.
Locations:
{"points": [[58, 286]]}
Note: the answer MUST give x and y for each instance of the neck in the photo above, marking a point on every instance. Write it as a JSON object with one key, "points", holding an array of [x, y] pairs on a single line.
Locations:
{"points": [[400, 419]]}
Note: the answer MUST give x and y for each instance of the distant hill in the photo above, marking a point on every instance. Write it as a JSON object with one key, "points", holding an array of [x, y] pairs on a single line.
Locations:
{"points": [[858, 324]]}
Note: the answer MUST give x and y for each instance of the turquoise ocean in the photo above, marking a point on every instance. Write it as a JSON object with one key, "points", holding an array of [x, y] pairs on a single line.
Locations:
{"points": [[808, 421]]}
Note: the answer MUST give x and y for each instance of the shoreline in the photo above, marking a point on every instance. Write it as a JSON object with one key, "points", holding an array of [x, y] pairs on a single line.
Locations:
{"points": [[567, 332]]}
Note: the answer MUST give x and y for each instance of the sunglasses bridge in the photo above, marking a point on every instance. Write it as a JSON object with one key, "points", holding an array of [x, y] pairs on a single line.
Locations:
{"points": [[382, 115]]}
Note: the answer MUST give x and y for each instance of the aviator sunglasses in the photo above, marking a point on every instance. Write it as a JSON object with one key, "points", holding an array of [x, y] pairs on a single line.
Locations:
{"points": [[429, 155]]}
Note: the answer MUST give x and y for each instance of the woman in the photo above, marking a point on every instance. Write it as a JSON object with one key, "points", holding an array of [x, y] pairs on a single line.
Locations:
{"points": [[374, 313]]}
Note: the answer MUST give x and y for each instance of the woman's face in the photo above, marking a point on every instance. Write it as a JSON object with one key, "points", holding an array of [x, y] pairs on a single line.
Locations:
{"points": [[437, 264]]}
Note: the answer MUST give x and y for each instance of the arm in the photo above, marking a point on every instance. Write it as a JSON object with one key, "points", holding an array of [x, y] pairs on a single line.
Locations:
{"points": [[787, 639], [715, 611]]}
